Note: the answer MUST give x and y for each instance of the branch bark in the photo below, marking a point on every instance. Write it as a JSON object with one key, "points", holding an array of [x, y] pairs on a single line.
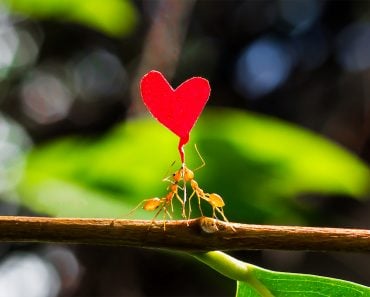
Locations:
{"points": [[196, 235]]}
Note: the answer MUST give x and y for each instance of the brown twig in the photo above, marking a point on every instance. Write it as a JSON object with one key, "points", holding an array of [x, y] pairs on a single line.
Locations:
{"points": [[203, 234]]}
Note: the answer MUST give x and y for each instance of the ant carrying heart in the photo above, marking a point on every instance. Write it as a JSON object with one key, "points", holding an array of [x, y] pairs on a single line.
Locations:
{"points": [[178, 109], [183, 176]]}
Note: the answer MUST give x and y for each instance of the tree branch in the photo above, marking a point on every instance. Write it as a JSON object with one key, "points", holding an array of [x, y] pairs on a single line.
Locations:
{"points": [[196, 235]]}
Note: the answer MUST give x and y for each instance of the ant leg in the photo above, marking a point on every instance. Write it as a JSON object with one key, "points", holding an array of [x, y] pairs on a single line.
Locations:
{"points": [[199, 203], [184, 183], [165, 213], [221, 211], [158, 212], [171, 206], [182, 204], [168, 213], [168, 179], [164, 218], [214, 212], [191, 196], [174, 183], [136, 207], [163, 207]]}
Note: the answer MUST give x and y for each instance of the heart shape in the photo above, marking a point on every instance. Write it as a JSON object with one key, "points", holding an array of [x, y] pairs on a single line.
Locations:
{"points": [[177, 109]]}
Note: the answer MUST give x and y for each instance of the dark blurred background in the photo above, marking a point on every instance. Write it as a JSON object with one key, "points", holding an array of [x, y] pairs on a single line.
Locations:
{"points": [[72, 68]]}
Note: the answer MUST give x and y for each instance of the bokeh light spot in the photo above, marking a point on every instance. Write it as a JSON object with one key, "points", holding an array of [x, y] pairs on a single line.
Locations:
{"points": [[28, 275], [263, 67], [14, 142], [67, 265], [300, 15], [353, 47], [99, 74], [45, 97], [27, 51], [8, 46]]}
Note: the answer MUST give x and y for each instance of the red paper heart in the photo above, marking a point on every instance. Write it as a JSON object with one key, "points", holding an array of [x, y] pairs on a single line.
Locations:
{"points": [[178, 109]]}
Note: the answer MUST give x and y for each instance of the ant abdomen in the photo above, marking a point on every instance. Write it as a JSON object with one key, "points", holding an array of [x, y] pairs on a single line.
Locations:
{"points": [[152, 204], [216, 200]]}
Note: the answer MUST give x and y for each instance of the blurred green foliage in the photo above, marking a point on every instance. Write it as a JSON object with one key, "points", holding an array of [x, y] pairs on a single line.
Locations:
{"points": [[257, 164], [112, 17]]}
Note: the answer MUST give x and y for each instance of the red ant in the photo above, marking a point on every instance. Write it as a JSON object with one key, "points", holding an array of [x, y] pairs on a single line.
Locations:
{"points": [[162, 204], [184, 175], [215, 200]]}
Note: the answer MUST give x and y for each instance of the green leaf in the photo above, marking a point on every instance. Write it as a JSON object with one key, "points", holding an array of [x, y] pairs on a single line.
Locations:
{"points": [[113, 17], [254, 281], [280, 284], [256, 163]]}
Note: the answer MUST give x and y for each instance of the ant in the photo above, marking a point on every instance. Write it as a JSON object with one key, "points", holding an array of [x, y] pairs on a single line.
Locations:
{"points": [[162, 204], [183, 175], [187, 175], [215, 200]]}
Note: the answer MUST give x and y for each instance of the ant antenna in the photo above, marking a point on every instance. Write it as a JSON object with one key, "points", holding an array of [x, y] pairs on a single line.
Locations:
{"points": [[167, 177], [200, 157]]}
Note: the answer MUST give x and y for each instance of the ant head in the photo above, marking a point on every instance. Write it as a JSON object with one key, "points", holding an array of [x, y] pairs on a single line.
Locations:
{"points": [[177, 175], [188, 174]]}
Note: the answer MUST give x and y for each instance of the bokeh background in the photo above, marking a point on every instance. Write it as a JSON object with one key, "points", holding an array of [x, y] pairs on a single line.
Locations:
{"points": [[285, 134]]}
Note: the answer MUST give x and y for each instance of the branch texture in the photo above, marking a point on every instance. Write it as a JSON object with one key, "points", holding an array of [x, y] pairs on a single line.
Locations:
{"points": [[196, 235]]}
